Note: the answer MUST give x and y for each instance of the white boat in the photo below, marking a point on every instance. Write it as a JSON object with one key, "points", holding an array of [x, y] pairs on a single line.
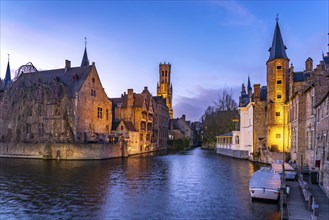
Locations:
{"points": [[290, 172], [265, 184]]}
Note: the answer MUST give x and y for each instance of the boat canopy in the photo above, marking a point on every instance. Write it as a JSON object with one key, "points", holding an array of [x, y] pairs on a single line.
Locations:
{"points": [[265, 178], [277, 167]]}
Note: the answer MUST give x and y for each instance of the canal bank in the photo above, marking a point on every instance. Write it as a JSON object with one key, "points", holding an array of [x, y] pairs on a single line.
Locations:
{"points": [[63, 151]]}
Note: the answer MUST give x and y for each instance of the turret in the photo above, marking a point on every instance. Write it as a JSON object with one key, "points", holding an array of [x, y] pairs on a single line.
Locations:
{"points": [[249, 88], [277, 89], [309, 64]]}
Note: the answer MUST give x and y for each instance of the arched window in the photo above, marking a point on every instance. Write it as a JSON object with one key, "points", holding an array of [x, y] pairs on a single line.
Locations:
{"points": [[237, 139]]}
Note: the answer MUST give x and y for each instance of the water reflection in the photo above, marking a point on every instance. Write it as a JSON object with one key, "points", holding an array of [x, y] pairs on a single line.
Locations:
{"points": [[196, 184]]}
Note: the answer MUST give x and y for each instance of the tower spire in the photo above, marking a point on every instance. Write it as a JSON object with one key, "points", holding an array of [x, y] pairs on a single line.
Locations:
{"points": [[85, 61], [7, 79], [278, 49], [249, 85]]}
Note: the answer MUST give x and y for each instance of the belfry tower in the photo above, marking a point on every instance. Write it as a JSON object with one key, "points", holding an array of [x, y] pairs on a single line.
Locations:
{"points": [[165, 88], [277, 94]]}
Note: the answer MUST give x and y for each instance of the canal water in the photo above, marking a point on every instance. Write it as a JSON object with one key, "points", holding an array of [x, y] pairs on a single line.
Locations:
{"points": [[195, 184]]}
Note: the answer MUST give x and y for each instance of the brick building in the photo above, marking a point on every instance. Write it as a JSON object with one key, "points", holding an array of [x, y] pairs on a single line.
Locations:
{"points": [[161, 123], [61, 105], [181, 130]]}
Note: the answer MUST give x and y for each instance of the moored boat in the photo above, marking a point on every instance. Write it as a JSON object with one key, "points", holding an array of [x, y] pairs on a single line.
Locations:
{"points": [[265, 184], [289, 171]]}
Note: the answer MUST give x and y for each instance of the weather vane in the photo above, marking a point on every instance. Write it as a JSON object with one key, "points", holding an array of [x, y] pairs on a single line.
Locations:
{"points": [[277, 17], [85, 41], [8, 56]]}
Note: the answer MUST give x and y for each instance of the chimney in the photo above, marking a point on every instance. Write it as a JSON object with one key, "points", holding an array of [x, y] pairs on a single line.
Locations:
{"points": [[130, 98], [183, 117], [145, 89], [67, 65], [256, 92], [309, 64]]}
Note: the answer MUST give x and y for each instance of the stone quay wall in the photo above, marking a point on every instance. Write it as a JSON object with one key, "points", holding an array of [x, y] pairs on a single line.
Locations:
{"points": [[63, 151]]}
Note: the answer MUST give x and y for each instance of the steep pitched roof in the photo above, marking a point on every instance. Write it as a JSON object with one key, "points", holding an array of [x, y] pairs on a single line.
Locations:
{"points": [[278, 49], [326, 59], [85, 61], [129, 125], [72, 79], [249, 85], [263, 93], [301, 76], [7, 78], [115, 101]]}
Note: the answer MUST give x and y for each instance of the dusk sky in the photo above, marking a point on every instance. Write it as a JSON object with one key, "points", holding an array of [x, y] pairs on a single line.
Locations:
{"points": [[211, 45]]}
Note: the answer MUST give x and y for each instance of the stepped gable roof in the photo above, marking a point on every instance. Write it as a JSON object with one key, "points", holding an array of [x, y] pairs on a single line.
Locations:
{"points": [[263, 93], [129, 125], [278, 49], [138, 100], [72, 79]]}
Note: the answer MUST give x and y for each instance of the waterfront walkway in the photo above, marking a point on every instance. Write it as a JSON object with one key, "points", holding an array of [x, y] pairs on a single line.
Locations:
{"points": [[299, 201], [296, 205]]}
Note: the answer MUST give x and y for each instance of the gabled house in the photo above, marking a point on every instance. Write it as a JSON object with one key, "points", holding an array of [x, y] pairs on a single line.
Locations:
{"points": [[137, 108], [54, 106], [127, 130]]}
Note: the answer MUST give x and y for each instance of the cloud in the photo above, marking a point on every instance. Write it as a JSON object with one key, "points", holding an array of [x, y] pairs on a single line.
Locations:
{"points": [[236, 14], [194, 107]]}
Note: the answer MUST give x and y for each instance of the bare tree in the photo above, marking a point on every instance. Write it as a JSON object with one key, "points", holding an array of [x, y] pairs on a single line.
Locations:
{"points": [[225, 101], [218, 119]]}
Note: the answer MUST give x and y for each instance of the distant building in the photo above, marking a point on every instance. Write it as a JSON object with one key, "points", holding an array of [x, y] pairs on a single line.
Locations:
{"points": [[181, 130]]}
